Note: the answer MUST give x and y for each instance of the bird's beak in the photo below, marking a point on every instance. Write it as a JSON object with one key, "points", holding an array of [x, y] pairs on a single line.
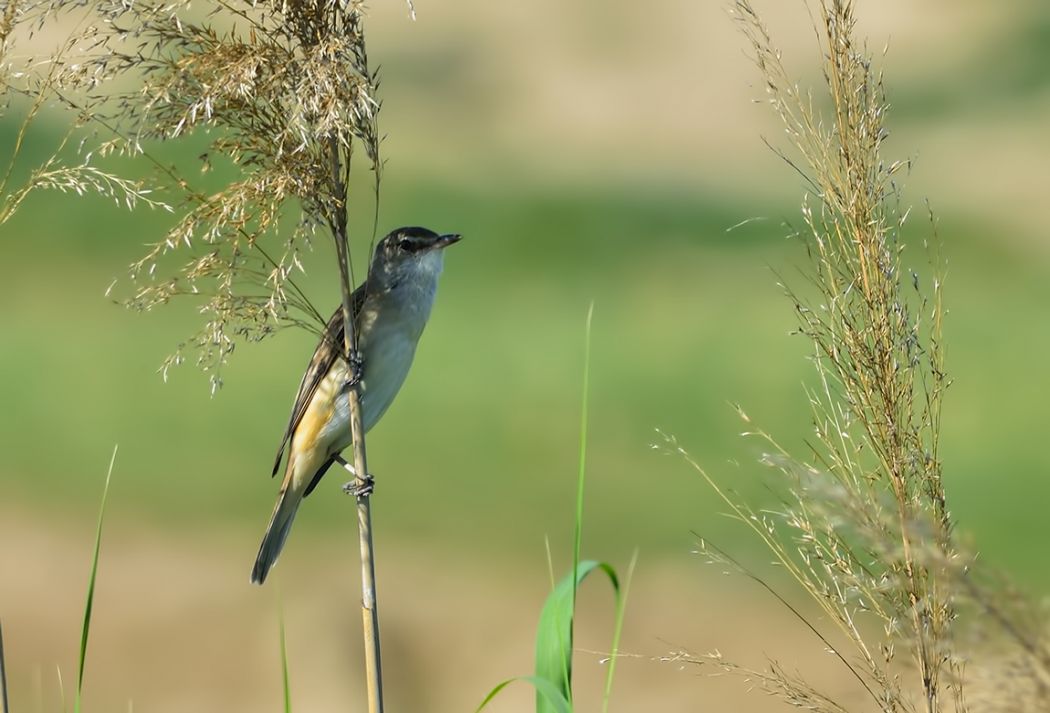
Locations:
{"points": [[444, 241]]}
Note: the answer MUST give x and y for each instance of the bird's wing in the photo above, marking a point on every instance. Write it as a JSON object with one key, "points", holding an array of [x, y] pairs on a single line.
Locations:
{"points": [[328, 350]]}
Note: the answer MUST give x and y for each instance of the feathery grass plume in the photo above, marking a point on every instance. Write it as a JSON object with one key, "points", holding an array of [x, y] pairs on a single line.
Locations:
{"points": [[864, 527], [275, 95], [28, 85], [1012, 674]]}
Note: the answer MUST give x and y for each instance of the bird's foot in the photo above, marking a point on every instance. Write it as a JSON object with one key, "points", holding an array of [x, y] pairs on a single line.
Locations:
{"points": [[360, 487], [357, 363]]}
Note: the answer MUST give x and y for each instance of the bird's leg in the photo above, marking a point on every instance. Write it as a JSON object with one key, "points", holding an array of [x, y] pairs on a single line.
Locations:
{"points": [[356, 362], [358, 487]]}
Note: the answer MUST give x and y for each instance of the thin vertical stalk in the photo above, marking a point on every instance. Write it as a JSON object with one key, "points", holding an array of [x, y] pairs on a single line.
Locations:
{"points": [[577, 537], [369, 611], [3, 675], [92, 580], [286, 687]]}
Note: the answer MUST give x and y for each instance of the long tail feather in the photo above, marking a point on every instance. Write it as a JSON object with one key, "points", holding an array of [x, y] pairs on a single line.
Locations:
{"points": [[276, 534]]}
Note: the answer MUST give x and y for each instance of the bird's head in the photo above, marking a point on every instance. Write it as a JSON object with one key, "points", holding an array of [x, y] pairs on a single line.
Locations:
{"points": [[409, 253]]}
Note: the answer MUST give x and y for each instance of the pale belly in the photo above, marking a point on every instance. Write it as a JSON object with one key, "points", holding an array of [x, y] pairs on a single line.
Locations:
{"points": [[384, 372]]}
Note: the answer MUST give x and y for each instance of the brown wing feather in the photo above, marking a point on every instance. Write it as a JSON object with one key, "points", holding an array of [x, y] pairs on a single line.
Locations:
{"points": [[328, 350]]}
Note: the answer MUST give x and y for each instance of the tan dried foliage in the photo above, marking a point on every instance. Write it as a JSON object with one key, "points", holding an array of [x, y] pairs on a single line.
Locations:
{"points": [[278, 92], [863, 527]]}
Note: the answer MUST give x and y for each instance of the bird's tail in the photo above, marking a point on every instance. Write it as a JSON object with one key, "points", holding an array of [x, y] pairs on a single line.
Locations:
{"points": [[276, 534]]}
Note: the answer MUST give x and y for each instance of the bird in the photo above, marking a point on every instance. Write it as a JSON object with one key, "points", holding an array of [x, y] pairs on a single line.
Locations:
{"points": [[390, 310]]}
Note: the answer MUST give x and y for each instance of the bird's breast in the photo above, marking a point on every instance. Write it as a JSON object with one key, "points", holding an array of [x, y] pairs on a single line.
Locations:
{"points": [[388, 351], [391, 323], [388, 346]]}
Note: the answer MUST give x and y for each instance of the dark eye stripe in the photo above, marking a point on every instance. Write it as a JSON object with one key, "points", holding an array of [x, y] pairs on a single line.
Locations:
{"points": [[410, 244]]}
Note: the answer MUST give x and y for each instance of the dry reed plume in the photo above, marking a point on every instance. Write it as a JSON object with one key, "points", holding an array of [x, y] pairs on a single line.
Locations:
{"points": [[275, 97], [864, 527]]}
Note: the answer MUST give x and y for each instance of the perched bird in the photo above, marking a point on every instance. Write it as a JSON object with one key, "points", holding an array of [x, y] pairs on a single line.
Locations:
{"points": [[390, 310]]}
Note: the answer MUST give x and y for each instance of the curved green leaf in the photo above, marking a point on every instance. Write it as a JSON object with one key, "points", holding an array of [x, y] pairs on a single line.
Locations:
{"points": [[554, 634], [544, 689]]}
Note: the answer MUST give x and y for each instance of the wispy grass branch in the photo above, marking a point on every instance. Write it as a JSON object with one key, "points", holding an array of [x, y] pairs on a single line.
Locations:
{"points": [[27, 86], [863, 525], [278, 91]]}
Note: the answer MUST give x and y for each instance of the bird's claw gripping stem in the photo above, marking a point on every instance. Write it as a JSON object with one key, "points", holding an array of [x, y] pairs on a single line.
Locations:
{"points": [[357, 363], [358, 487]]}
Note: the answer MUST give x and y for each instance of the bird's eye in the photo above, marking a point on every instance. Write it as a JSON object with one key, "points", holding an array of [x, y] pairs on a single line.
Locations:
{"points": [[404, 244]]}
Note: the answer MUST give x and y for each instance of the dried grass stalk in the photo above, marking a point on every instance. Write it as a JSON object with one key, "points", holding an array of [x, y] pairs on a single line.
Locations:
{"points": [[864, 527]]}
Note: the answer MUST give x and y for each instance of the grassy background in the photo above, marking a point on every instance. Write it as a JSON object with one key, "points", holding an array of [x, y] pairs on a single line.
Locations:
{"points": [[608, 162]]}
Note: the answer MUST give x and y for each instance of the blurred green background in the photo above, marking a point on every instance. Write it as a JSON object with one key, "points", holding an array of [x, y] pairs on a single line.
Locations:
{"points": [[587, 152]]}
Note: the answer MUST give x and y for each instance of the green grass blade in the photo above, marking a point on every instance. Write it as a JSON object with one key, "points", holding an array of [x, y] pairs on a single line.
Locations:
{"points": [[544, 688], [85, 629], [554, 633], [284, 663], [578, 530], [3, 675], [621, 608], [577, 538]]}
